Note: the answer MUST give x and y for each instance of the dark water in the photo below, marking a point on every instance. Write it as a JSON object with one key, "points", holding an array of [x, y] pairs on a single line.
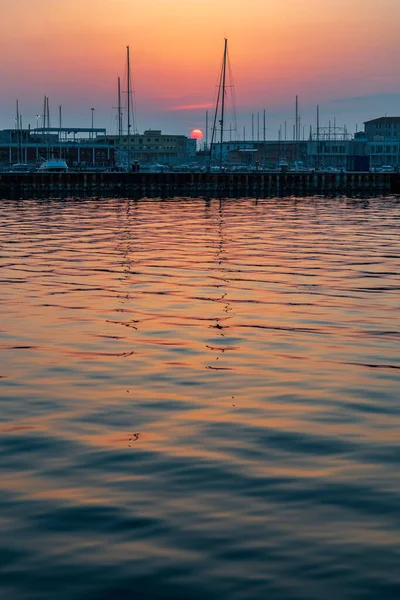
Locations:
{"points": [[200, 400]]}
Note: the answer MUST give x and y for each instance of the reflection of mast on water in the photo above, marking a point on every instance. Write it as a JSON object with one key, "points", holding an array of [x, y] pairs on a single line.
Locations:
{"points": [[125, 248], [219, 261]]}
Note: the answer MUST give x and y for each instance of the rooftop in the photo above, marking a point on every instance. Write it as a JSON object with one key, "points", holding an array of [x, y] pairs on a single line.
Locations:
{"points": [[386, 120]]}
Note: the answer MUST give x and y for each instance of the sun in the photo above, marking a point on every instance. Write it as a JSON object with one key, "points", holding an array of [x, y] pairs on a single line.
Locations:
{"points": [[196, 134]]}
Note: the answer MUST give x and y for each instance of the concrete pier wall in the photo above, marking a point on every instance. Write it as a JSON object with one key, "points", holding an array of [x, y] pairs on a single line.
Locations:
{"points": [[259, 185]]}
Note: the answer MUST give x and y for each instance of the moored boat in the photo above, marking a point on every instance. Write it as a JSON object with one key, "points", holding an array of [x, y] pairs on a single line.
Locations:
{"points": [[53, 165]]}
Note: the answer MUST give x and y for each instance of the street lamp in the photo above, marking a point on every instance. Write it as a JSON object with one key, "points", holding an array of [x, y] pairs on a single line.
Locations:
{"points": [[37, 121]]}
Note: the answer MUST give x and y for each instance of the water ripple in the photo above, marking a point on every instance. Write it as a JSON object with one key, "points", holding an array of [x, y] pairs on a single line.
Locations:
{"points": [[199, 399]]}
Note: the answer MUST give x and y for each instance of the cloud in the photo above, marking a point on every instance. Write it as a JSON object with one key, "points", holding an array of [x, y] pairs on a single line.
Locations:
{"points": [[384, 97], [192, 106]]}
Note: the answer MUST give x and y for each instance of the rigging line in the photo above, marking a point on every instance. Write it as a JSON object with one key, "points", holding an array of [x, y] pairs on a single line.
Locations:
{"points": [[216, 108], [223, 101], [233, 94]]}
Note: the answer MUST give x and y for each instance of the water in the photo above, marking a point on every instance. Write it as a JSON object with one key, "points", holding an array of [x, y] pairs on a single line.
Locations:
{"points": [[199, 400]]}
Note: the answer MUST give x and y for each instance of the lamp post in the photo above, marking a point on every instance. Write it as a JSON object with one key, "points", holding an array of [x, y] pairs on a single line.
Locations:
{"points": [[37, 121]]}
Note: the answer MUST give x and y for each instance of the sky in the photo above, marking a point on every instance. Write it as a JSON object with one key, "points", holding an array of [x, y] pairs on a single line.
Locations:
{"points": [[340, 54]]}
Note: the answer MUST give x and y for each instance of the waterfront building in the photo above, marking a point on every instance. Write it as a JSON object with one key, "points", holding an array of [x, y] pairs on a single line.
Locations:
{"points": [[384, 153], [376, 147], [80, 147], [383, 127], [383, 142], [269, 153], [328, 153], [153, 146]]}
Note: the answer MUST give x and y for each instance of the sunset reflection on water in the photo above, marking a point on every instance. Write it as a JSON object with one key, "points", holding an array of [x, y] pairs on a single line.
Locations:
{"points": [[199, 398]]}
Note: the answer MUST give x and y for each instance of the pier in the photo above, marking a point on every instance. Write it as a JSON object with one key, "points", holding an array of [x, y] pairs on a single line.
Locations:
{"points": [[235, 185]]}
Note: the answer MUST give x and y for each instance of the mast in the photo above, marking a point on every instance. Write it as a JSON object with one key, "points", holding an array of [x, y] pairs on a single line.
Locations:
{"points": [[279, 144], [206, 130], [213, 134], [44, 121], [297, 130], [59, 127], [48, 126], [318, 148], [48, 112], [119, 112], [18, 135], [264, 136], [285, 145], [128, 68], [223, 99]]}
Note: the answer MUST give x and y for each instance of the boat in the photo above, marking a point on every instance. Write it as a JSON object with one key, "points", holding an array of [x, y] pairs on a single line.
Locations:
{"points": [[53, 165], [19, 168], [283, 166]]}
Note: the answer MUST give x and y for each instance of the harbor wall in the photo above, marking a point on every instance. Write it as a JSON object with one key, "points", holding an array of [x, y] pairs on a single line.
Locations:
{"points": [[259, 185]]}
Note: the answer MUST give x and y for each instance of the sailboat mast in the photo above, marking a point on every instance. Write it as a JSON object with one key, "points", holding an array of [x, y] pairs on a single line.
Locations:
{"points": [[128, 67], [59, 127], [18, 135], [297, 129], [48, 128], [119, 111], [264, 139], [223, 99], [206, 130], [44, 121], [318, 146], [213, 134]]}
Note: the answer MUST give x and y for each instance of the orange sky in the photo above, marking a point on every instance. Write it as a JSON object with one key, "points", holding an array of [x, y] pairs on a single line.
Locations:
{"points": [[323, 50]]}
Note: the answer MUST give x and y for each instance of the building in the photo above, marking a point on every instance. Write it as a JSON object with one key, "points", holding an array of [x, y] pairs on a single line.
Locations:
{"points": [[383, 127], [384, 153], [268, 153], [383, 142], [328, 153], [153, 146], [80, 147]]}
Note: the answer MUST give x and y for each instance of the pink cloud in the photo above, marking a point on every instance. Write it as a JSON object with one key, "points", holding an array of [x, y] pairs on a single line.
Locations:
{"points": [[192, 106]]}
